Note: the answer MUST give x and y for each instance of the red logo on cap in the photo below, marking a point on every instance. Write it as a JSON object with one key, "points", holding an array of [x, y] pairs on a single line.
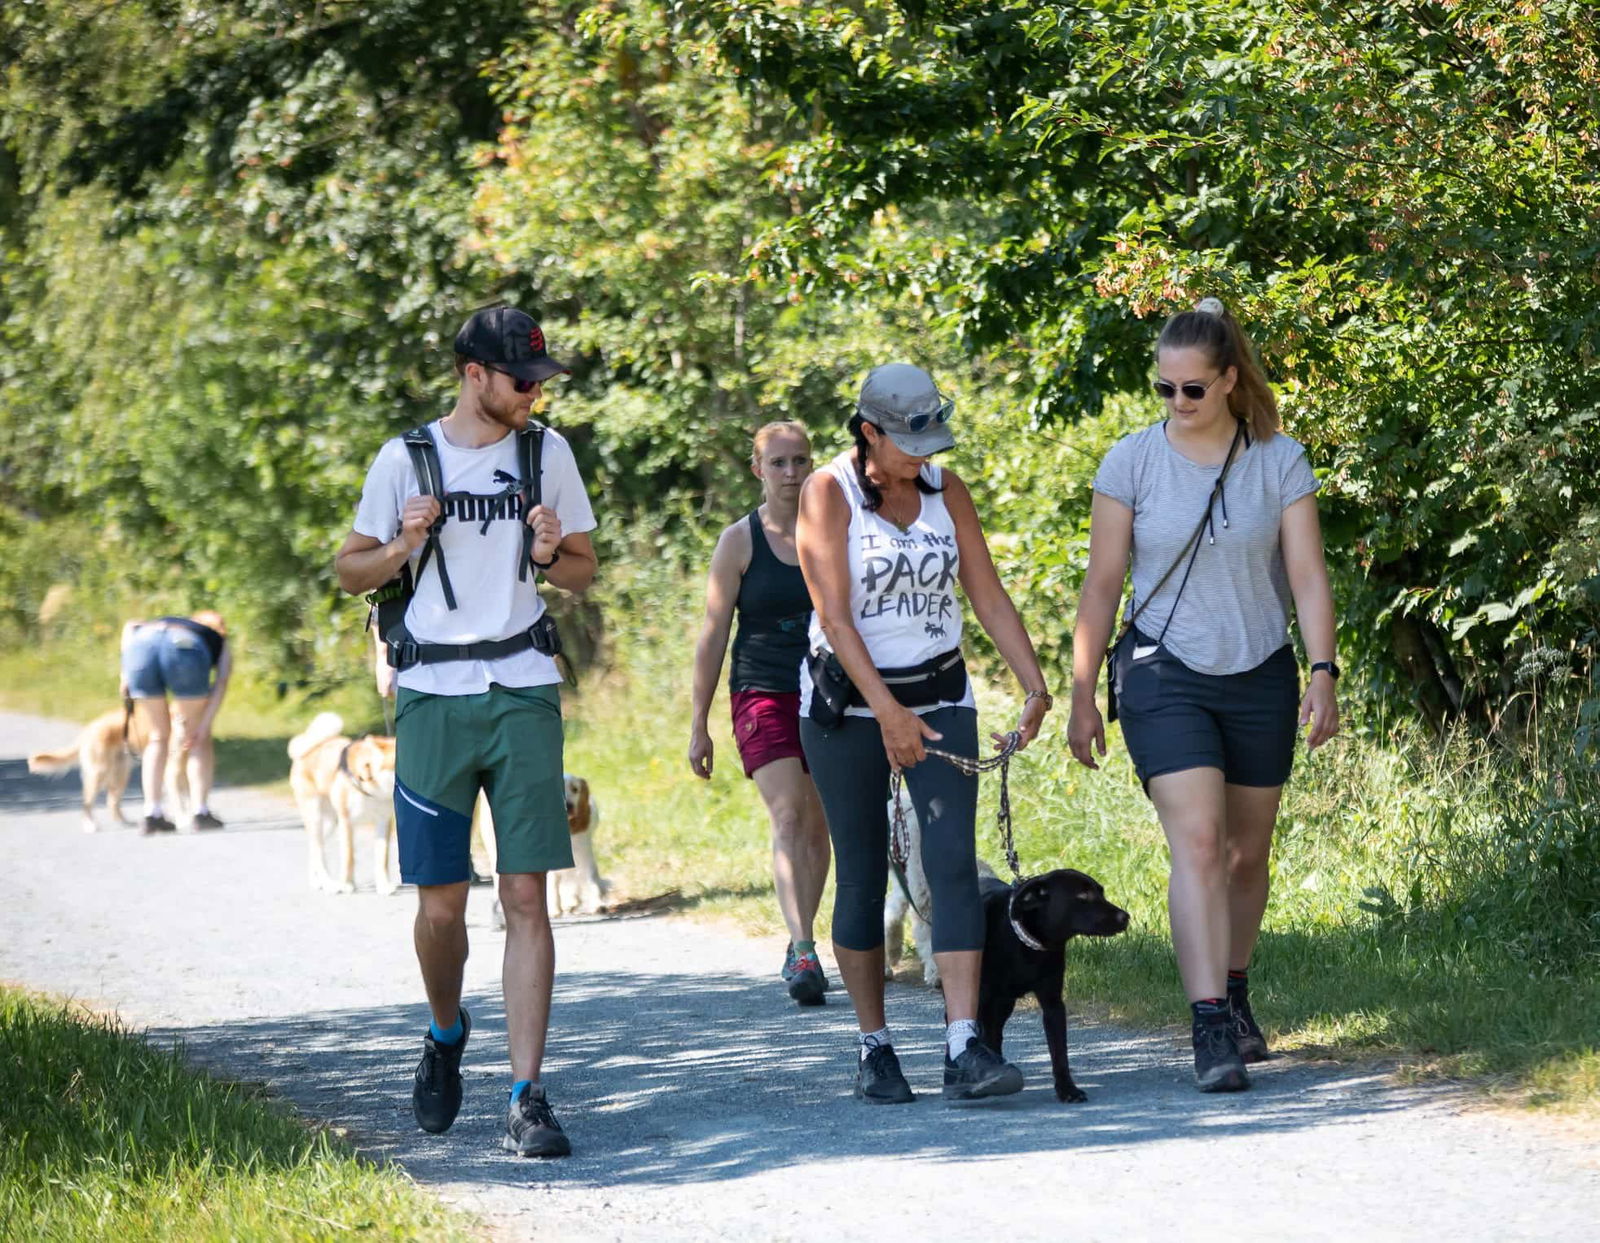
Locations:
{"points": [[536, 339]]}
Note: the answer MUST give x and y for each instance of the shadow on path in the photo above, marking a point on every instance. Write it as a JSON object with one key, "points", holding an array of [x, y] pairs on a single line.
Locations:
{"points": [[690, 1078]]}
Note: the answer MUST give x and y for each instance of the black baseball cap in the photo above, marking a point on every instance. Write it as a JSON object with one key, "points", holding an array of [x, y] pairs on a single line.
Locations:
{"points": [[511, 340]]}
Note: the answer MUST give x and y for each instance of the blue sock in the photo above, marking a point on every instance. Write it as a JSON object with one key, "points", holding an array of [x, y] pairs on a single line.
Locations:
{"points": [[516, 1088], [446, 1035]]}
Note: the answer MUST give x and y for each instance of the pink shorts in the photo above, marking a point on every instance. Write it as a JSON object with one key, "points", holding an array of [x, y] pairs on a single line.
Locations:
{"points": [[766, 726]]}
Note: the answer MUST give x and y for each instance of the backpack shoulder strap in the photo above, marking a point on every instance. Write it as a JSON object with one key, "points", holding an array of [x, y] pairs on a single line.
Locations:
{"points": [[530, 464], [424, 453]]}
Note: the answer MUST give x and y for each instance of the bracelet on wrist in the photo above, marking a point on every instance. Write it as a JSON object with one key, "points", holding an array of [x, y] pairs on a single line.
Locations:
{"points": [[1049, 699], [545, 565]]}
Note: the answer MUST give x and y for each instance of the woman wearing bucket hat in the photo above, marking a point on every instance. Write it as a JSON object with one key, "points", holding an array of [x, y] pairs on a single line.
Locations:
{"points": [[1214, 511], [884, 537], [752, 576]]}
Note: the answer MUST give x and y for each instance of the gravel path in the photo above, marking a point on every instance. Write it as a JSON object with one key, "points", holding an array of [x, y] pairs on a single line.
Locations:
{"points": [[702, 1104]]}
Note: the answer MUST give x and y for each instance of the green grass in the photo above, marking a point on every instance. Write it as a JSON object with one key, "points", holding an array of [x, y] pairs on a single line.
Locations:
{"points": [[104, 1136]]}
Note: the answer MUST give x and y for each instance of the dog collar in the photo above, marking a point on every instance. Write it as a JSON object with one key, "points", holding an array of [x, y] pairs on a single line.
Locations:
{"points": [[1023, 935], [344, 767]]}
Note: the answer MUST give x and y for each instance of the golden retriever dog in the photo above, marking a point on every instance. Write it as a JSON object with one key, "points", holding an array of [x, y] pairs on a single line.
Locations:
{"points": [[105, 754], [348, 781], [579, 889]]}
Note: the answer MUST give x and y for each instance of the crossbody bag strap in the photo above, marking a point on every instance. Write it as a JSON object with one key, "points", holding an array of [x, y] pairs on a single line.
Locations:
{"points": [[1191, 548]]}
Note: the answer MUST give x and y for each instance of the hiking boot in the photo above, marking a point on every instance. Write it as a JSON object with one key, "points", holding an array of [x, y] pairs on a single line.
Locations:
{"points": [[436, 1094], [878, 1078], [1247, 1037], [205, 820], [979, 1071], [806, 981], [1217, 1064], [156, 824], [531, 1126]]}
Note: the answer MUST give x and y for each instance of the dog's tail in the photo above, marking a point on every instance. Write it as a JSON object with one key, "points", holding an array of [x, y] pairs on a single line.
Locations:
{"points": [[54, 762], [324, 725]]}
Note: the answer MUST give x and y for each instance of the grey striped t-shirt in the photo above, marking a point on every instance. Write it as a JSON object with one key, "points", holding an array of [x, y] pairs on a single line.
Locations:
{"points": [[1234, 613]]}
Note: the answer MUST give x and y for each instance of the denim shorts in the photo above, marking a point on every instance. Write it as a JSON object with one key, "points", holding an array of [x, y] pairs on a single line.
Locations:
{"points": [[160, 660], [1175, 719]]}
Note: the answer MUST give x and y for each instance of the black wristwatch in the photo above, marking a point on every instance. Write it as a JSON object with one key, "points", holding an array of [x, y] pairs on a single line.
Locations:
{"points": [[1333, 669], [556, 556]]}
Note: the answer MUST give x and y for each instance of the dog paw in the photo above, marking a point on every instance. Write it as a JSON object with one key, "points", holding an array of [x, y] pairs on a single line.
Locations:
{"points": [[386, 888], [89, 826], [344, 886], [1070, 1094]]}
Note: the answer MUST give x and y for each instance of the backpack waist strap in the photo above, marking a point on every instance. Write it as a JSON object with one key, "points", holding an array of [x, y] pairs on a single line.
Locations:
{"points": [[404, 651]]}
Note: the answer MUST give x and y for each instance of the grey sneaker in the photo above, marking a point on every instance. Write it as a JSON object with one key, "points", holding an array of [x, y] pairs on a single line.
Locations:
{"points": [[1247, 1034], [807, 984], [879, 1080], [436, 1092], [531, 1126], [1217, 1064], [978, 1072]]}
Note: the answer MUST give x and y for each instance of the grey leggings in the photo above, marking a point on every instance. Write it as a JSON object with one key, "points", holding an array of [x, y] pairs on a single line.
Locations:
{"points": [[851, 773]]}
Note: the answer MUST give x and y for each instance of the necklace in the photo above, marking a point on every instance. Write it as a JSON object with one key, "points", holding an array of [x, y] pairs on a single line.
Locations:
{"points": [[887, 508]]}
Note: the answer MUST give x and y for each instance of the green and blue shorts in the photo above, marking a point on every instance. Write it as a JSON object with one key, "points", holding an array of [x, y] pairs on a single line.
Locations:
{"points": [[506, 742]]}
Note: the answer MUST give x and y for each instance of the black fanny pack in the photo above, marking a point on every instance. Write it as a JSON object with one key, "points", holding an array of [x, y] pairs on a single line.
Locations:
{"points": [[939, 679]]}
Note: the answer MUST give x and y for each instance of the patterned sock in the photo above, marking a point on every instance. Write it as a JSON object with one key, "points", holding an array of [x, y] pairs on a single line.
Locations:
{"points": [[956, 1036], [1210, 1009], [446, 1035], [874, 1040], [516, 1088]]}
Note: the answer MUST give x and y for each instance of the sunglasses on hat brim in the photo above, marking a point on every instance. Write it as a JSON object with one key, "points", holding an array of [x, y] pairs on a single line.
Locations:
{"points": [[914, 423]]}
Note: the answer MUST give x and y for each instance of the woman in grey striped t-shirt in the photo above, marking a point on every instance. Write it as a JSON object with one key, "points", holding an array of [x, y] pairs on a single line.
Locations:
{"points": [[1214, 511]]}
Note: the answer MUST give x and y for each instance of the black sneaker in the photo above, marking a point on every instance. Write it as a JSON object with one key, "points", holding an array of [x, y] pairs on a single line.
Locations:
{"points": [[156, 824], [1252, 1045], [1217, 1064], [878, 1078], [531, 1126], [436, 1094], [979, 1071], [205, 820], [806, 981]]}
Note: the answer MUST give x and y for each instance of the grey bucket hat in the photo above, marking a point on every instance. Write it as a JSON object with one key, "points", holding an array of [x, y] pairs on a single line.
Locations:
{"points": [[905, 404]]}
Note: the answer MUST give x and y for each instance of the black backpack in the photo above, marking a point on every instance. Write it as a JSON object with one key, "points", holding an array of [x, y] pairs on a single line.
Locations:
{"points": [[389, 602]]}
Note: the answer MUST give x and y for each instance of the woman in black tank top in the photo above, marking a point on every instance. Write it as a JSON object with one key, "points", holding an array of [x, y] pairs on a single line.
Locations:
{"points": [[755, 577]]}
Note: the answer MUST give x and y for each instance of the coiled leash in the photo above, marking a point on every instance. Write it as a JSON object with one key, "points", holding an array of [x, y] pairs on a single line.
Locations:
{"points": [[900, 830]]}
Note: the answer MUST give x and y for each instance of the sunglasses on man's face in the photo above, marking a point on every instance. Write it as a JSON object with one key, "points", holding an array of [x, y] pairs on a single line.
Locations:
{"points": [[1193, 390], [522, 386]]}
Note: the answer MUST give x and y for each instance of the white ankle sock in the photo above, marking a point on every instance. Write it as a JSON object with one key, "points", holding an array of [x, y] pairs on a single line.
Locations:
{"points": [[873, 1040], [957, 1035]]}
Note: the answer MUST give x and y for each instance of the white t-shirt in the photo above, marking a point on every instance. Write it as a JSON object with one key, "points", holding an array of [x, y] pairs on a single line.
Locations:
{"points": [[902, 583], [482, 543]]}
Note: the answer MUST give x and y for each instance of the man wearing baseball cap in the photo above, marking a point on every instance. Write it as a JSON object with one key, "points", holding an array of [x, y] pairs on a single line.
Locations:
{"points": [[477, 705]]}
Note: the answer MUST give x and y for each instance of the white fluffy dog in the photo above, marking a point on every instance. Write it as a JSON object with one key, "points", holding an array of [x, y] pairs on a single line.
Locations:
{"points": [[918, 902]]}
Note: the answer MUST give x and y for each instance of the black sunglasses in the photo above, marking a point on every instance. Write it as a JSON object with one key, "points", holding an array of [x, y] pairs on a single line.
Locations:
{"points": [[522, 386], [1193, 390]]}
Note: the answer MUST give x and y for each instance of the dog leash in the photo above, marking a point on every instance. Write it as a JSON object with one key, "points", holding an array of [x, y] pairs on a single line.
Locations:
{"points": [[900, 830]]}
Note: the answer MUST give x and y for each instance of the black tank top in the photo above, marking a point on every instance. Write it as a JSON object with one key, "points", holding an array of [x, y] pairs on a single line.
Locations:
{"points": [[774, 612]]}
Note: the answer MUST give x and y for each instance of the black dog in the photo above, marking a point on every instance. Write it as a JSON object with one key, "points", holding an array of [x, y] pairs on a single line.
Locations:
{"points": [[1051, 909]]}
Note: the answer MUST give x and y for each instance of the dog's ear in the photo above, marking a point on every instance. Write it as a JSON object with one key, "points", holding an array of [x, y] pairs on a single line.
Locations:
{"points": [[1031, 896]]}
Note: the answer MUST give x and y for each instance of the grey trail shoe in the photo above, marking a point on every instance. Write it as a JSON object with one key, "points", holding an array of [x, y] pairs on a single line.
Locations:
{"points": [[531, 1126], [436, 1093], [979, 1072]]}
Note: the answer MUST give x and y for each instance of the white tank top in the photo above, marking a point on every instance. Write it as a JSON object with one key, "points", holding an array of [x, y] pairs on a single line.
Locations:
{"points": [[902, 583]]}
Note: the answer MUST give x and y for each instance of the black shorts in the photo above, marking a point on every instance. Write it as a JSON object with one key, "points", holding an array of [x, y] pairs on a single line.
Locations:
{"points": [[1175, 719]]}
